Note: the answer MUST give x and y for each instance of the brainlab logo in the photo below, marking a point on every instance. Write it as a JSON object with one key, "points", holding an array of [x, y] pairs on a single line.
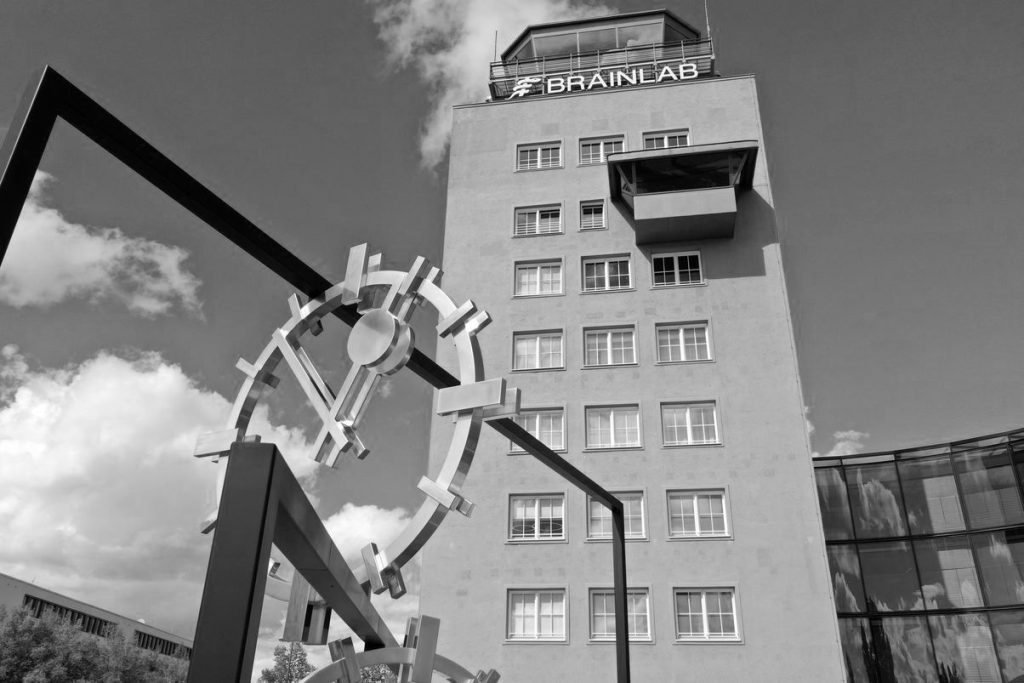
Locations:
{"points": [[607, 79]]}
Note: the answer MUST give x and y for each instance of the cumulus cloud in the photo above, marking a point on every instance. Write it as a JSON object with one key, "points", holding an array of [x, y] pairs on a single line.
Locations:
{"points": [[847, 442], [51, 259], [450, 44], [101, 497]]}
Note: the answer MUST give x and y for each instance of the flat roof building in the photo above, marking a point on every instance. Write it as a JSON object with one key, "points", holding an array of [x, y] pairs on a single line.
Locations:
{"points": [[610, 206]]}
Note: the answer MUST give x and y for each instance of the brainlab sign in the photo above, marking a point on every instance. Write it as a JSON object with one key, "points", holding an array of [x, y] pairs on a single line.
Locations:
{"points": [[603, 79]]}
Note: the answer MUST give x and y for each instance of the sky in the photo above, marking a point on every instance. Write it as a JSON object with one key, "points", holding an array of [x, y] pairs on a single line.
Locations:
{"points": [[892, 134]]}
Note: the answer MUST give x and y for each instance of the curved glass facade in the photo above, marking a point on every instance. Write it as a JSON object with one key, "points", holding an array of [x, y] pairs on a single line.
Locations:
{"points": [[926, 554]]}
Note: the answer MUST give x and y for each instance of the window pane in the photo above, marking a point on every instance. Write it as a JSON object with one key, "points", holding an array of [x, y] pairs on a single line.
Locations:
{"points": [[902, 649], [835, 508], [890, 579], [989, 488], [846, 579], [855, 635], [1008, 629], [1001, 561], [664, 271], [594, 276], [963, 646], [948, 576], [933, 504], [600, 521], [591, 216], [689, 615], [669, 348], [599, 427], [875, 500]]}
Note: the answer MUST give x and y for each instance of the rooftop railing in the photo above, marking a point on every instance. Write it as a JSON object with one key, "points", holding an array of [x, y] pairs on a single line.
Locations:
{"points": [[649, 58]]}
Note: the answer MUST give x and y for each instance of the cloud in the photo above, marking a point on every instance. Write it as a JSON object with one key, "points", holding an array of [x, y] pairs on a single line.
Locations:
{"points": [[51, 259], [846, 442], [101, 497], [450, 44]]}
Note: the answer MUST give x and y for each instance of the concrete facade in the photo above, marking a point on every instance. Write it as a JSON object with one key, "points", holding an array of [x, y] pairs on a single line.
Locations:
{"points": [[773, 559]]}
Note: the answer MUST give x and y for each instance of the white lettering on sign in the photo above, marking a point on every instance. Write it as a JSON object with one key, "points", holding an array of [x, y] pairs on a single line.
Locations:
{"points": [[609, 79]]}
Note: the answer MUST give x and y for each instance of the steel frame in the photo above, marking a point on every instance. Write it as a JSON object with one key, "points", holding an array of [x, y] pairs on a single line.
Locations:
{"points": [[51, 96]]}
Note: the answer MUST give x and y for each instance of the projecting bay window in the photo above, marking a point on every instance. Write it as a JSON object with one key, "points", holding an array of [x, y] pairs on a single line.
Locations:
{"points": [[536, 518], [595, 150], [536, 615], [592, 215], [697, 514], [537, 351], [602, 614], [672, 270], [689, 424], [538, 220], [542, 278], [683, 343], [606, 274], [613, 426], [706, 614], [538, 156], [547, 425], [599, 518], [666, 139], [609, 347]]}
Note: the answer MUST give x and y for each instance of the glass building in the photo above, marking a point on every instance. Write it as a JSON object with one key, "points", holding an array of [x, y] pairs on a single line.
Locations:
{"points": [[926, 553]]}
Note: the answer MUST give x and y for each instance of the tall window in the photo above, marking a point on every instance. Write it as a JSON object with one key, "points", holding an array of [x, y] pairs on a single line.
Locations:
{"points": [[706, 614], [542, 155], [602, 614], [536, 614], [601, 274], [697, 514], [613, 426], [595, 150], [683, 342], [688, 424], [537, 350], [667, 138], [671, 270], [538, 220], [592, 215], [547, 425], [599, 518], [536, 518], [538, 279], [609, 347]]}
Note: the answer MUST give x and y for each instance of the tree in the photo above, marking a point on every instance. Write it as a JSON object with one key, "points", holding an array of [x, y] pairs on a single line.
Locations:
{"points": [[290, 665]]}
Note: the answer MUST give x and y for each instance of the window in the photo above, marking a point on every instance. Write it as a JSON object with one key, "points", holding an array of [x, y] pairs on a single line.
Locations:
{"points": [[688, 424], [536, 518], [546, 425], [595, 150], [697, 514], [538, 220], [609, 347], [668, 138], [599, 518], [600, 274], [538, 279], [592, 215], [602, 614], [536, 614], [683, 343], [542, 155], [671, 270], [706, 614], [537, 350], [613, 426]]}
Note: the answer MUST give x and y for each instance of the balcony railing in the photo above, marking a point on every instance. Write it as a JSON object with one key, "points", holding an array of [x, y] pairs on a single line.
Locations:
{"points": [[648, 59]]}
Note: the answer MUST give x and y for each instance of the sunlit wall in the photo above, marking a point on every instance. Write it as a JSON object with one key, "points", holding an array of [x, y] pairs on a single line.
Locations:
{"points": [[926, 553]]}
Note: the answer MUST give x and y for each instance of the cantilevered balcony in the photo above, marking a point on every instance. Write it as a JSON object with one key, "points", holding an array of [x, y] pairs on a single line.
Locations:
{"points": [[682, 193]]}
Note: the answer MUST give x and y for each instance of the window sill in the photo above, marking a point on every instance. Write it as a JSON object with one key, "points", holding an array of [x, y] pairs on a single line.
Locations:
{"points": [[532, 170], [703, 361], [610, 365], [535, 541], [692, 445], [593, 163], [536, 296], [702, 283], [603, 227], [605, 449], [708, 641], [553, 450], [539, 234], [561, 369], [608, 291], [535, 641], [629, 539], [700, 538], [611, 641]]}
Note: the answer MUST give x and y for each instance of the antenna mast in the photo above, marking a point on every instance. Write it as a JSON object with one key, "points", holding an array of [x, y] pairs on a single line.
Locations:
{"points": [[707, 19]]}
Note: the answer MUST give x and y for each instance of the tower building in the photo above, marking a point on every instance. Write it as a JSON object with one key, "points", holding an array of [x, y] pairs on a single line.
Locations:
{"points": [[610, 206]]}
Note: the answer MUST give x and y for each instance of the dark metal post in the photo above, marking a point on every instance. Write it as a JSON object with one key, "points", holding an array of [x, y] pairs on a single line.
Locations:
{"points": [[621, 608]]}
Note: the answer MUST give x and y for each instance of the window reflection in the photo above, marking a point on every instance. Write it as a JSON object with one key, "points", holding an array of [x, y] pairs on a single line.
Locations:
{"points": [[890, 579], [856, 639], [948, 575], [846, 581], [963, 647], [1001, 560], [933, 504], [903, 649], [1008, 630], [875, 500], [835, 508], [989, 488]]}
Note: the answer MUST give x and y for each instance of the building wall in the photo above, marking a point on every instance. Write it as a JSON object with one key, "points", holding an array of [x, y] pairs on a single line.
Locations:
{"points": [[774, 558]]}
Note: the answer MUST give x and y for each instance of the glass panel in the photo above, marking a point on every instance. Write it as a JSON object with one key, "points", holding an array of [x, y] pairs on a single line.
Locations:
{"points": [[645, 34], [963, 648], [948, 576], [688, 171], [601, 39], [857, 655], [555, 45], [875, 500], [1001, 560], [902, 649], [890, 580], [931, 497], [1008, 629], [989, 488], [835, 507], [846, 580]]}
